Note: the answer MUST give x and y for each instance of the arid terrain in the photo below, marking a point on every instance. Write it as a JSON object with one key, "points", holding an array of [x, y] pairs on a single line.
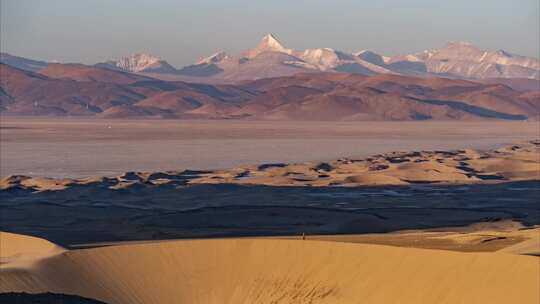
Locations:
{"points": [[323, 213], [380, 193], [322, 270], [78, 90], [75, 148], [269, 152], [280, 176]]}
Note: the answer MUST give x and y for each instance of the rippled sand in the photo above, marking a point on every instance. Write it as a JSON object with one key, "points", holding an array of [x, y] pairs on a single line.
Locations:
{"points": [[278, 271]]}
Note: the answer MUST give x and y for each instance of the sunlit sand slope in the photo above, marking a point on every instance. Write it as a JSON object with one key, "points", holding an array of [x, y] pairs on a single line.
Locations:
{"points": [[21, 251], [17, 245], [280, 271], [518, 162]]}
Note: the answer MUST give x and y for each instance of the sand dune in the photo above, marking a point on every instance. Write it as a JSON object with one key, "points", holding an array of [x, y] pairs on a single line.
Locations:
{"points": [[381, 193], [502, 236], [279, 271], [22, 251], [518, 162], [530, 246], [261, 270]]}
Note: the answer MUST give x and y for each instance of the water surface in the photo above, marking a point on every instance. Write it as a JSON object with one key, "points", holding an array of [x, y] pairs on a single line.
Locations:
{"points": [[76, 148]]}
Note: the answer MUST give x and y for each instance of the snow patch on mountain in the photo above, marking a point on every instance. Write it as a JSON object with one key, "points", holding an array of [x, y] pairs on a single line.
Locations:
{"points": [[214, 58], [269, 43], [137, 62], [270, 57]]}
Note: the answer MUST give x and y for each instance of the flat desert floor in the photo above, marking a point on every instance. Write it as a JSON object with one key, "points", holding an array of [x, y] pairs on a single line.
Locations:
{"points": [[77, 148]]}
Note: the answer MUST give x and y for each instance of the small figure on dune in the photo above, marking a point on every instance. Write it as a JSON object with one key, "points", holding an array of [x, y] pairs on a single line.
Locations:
{"points": [[303, 236]]}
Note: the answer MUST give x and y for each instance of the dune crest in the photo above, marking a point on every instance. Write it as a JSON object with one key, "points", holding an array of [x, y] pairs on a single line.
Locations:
{"points": [[18, 251], [511, 163], [517, 162], [280, 271]]}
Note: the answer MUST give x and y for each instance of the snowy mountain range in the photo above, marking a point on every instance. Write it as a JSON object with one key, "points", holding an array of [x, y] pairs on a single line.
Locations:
{"points": [[89, 91], [270, 58], [139, 63]]}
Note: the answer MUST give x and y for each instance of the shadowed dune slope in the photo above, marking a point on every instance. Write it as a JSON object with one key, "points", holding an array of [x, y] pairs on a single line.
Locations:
{"points": [[43, 298], [279, 271], [519, 162]]}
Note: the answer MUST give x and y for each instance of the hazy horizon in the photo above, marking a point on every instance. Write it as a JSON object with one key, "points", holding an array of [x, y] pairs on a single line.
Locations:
{"points": [[181, 33]]}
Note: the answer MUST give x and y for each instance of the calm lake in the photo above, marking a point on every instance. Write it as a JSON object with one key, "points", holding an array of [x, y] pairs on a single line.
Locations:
{"points": [[73, 147]]}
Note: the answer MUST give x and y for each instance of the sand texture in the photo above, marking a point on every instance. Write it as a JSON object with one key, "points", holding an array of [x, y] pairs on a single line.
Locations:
{"points": [[492, 261], [279, 271], [382, 193], [501, 236], [519, 162], [21, 251]]}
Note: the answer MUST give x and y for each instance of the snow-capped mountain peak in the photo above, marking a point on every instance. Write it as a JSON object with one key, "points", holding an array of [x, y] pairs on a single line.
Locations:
{"points": [[269, 43], [214, 58], [323, 58], [270, 57], [137, 62], [463, 59]]}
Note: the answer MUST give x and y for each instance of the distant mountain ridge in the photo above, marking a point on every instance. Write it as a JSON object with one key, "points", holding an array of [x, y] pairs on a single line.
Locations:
{"points": [[139, 63], [270, 58], [22, 63], [456, 60], [462, 59], [79, 90]]}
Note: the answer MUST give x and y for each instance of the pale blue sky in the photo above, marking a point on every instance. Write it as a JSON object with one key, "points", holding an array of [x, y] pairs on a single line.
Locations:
{"points": [[182, 31]]}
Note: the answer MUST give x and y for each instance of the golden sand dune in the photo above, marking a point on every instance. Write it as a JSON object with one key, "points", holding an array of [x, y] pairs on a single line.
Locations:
{"points": [[513, 163], [503, 236], [531, 246], [19, 250], [279, 271]]}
